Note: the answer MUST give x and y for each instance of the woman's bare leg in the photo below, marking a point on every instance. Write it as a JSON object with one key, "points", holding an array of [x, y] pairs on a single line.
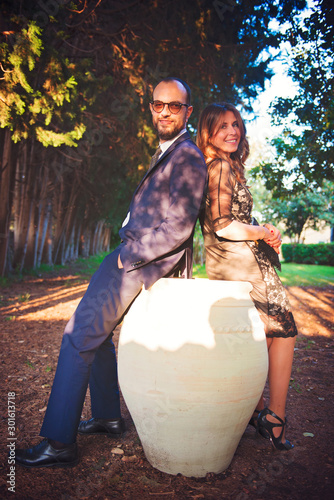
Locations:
{"points": [[280, 351]]}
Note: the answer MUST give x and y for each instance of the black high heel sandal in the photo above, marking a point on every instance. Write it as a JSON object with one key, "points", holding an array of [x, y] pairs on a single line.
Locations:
{"points": [[265, 427], [253, 420]]}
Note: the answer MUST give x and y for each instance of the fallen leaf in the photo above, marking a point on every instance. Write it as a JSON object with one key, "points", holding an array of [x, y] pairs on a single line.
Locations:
{"points": [[128, 458], [308, 434], [117, 451]]}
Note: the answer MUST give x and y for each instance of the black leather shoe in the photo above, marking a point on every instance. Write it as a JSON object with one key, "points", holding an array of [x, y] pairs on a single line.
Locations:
{"points": [[44, 455], [101, 426]]}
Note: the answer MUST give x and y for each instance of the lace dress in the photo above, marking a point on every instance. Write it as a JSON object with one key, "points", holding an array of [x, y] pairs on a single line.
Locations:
{"points": [[229, 200]]}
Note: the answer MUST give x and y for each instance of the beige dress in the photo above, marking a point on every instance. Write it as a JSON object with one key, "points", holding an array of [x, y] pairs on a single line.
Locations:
{"points": [[228, 200]]}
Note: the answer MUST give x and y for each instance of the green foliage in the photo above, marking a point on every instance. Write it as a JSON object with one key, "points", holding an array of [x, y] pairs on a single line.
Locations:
{"points": [[294, 213], [294, 274], [87, 77], [30, 364], [311, 209], [36, 87], [306, 275], [25, 297], [295, 385], [199, 271], [198, 247], [320, 253], [262, 198], [305, 152], [55, 139]]}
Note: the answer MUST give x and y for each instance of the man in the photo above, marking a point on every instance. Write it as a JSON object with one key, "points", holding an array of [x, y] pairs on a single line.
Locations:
{"points": [[156, 241]]}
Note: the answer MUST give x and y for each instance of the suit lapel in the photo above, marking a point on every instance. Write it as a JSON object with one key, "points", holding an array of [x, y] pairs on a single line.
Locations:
{"points": [[171, 148], [182, 138]]}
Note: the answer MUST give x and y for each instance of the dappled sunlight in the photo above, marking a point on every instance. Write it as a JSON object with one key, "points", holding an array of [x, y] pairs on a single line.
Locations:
{"points": [[185, 352], [313, 307], [55, 304], [202, 309]]}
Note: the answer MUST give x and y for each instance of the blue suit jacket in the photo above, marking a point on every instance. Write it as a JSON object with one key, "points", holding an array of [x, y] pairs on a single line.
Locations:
{"points": [[163, 213]]}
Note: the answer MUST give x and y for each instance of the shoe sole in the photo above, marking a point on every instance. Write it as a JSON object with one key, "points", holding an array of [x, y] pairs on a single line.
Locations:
{"points": [[109, 434], [60, 464]]}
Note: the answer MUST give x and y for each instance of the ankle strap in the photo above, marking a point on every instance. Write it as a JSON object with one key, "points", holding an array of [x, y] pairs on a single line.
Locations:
{"points": [[268, 411]]}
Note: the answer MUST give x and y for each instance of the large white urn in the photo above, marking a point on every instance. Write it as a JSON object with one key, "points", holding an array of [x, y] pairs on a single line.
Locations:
{"points": [[192, 361]]}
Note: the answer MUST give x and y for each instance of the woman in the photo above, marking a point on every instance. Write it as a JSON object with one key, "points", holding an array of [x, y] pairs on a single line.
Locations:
{"points": [[233, 253]]}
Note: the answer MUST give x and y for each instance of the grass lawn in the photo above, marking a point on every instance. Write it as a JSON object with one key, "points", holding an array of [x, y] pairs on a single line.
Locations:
{"points": [[294, 274], [291, 275]]}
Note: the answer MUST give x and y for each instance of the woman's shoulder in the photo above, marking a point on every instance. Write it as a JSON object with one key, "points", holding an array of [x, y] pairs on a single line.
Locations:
{"points": [[220, 170], [219, 164]]}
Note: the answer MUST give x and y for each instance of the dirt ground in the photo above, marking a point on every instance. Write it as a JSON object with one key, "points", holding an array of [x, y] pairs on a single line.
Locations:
{"points": [[33, 315]]}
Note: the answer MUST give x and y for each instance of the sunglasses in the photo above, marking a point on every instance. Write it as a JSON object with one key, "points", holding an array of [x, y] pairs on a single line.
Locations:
{"points": [[174, 107]]}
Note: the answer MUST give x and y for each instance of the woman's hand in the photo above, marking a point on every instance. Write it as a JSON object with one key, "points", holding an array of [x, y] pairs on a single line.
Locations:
{"points": [[273, 237]]}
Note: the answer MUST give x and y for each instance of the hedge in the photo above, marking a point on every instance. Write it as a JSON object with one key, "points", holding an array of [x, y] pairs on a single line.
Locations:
{"points": [[320, 253]]}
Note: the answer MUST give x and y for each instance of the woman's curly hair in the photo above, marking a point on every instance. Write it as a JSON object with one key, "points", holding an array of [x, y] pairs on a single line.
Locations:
{"points": [[210, 121]]}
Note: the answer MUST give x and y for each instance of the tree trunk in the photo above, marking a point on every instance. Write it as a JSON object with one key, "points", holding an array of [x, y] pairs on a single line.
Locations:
{"points": [[70, 225], [78, 228], [106, 242], [31, 206], [47, 251], [96, 238], [7, 176], [85, 241], [44, 227], [41, 213], [23, 205], [67, 216]]}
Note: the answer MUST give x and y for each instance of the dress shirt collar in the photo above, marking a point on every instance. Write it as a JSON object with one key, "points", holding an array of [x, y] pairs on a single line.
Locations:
{"points": [[165, 145]]}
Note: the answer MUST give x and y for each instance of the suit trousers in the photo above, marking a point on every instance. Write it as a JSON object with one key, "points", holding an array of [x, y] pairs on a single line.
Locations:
{"points": [[87, 354]]}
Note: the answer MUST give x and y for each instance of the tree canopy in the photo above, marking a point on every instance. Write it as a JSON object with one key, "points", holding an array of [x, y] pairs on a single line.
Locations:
{"points": [[294, 215], [305, 150], [76, 79]]}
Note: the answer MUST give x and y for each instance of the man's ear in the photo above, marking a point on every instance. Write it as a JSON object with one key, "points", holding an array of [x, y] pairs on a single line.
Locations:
{"points": [[189, 111]]}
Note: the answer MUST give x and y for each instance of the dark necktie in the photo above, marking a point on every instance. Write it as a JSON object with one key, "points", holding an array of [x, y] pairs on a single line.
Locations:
{"points": [[155, 157]]}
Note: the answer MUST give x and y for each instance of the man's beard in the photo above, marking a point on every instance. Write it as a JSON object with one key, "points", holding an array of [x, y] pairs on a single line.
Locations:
{"points": [[167, 135]]}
